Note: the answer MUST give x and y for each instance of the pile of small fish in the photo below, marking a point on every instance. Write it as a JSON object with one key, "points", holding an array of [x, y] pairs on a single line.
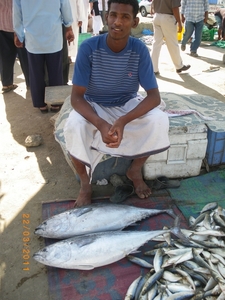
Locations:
{"points": [[191, 268]]}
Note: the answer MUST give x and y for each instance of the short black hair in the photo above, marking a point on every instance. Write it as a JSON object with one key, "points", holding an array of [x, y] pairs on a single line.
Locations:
{"points": [[133, 3]]}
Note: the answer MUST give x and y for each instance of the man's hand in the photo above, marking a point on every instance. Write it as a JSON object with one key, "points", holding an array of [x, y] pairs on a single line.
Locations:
{"points": [[17, 42], [69, 34], [116, 134], [182, 18], [180, 27]]}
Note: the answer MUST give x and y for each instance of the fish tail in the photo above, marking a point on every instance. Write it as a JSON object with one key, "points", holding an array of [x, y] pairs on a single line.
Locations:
{"points": [[171, 213], [176, 230]]}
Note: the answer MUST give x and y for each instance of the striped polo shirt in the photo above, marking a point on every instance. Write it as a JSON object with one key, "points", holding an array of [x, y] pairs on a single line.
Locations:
{"points": [[112, 78]]}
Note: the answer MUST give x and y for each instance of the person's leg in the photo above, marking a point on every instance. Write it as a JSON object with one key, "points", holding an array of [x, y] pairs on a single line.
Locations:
{"points": [[219, 34], [198, 36], [134, 173], [84, 196], [169, 29], [157, 43], [36, 63], [22, 55], [189, 28], [54, 68], [7, 57], [219, 26], [65, 58]]}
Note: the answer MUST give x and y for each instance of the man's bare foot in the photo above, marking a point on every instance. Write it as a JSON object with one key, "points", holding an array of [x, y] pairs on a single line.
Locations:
{"points": [[84, 197], [141, 188]]}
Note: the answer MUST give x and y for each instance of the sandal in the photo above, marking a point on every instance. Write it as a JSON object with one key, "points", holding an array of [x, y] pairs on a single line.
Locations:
{"points": [[55, 108], [122, 192], [9, 88], [163, 182], [45, 110]]}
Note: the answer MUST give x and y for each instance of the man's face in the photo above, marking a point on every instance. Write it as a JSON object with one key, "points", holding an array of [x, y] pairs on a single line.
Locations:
{"points": [[120, 20]]}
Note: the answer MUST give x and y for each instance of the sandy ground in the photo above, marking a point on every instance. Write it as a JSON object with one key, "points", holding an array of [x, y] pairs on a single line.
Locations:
{"points": [[32, 175]]}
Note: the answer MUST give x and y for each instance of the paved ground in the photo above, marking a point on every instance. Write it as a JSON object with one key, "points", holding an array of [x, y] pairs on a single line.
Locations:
{"points": [[32, 175]]}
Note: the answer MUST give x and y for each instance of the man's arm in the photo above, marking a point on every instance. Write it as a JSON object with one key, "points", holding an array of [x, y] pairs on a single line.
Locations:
{"points": [[206, 11], [84, 108], [176, 13], [206, 16], [18, 23], [223, 29], [151, 101]]}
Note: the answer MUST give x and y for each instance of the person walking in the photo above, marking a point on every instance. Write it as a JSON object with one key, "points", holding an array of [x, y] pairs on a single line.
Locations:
{"points": [[39, 25], [9, 51], [166, 19], [194, 13]]}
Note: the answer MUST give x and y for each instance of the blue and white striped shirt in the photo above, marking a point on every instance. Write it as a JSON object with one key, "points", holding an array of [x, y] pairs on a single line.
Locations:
{"points": [[112, 78], [194, 10]]}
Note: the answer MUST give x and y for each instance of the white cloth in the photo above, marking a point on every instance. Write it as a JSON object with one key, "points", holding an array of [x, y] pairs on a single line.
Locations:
{"points": [[142, 137], [77, 7], [100, 5], [171, 113], [97, 24], [165, 27], [86, 13]]}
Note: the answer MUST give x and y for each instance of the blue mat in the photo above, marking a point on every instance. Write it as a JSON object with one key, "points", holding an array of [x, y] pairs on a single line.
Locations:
{"points": [[194, 193]]}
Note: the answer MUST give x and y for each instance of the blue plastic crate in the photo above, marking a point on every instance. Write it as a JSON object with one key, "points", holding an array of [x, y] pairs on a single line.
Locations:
{"points": [[215, 152]]}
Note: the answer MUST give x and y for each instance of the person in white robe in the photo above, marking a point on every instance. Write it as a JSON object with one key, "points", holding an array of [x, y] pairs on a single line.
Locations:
{"points": [[96, 17], [86, 13], [77, 7]]}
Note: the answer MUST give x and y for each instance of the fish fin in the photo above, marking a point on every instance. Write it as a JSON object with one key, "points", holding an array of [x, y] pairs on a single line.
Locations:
{"points": [[81, 211], [81, 242]]}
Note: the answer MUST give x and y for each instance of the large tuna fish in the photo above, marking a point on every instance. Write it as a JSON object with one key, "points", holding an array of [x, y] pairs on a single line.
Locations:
{"points": [[94, 218], [94, 250]]}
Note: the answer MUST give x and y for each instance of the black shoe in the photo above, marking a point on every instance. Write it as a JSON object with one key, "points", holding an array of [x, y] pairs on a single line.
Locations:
{"points": [[184, 68], [156, 73]]}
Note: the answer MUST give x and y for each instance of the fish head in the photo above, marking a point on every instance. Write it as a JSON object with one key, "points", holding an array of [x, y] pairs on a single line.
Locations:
{"points": [[51, 227], [53, 255]]}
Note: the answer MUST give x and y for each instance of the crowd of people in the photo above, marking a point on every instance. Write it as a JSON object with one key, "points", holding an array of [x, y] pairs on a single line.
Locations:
{"points": [[21, 35], [43, 35]]}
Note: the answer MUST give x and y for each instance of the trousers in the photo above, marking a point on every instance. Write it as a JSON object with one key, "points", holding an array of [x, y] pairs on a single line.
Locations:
{"points": [[38, 64], [190, 28], [165, 27], [8, 54]]}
